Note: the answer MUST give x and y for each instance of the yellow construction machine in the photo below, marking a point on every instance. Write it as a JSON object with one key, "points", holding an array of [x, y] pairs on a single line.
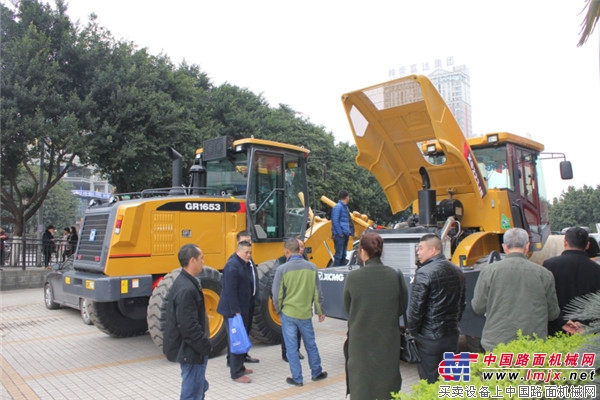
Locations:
{"points": [[128, 246], [469, 191], [478, 187]]}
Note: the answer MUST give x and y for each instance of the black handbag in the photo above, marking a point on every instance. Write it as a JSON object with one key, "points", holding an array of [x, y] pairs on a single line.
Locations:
{"points": [[409, 352]]}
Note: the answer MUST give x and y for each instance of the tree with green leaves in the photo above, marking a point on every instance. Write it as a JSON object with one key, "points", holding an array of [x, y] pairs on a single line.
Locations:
{"points": [[61, 206], [576, 207], [138, 118], [75, 93], [45, 110]]}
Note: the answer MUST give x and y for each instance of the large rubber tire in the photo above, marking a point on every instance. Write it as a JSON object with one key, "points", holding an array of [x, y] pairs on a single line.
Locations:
{"points": [[266, 323], [110, 318], [211, 288], [157, 306]]}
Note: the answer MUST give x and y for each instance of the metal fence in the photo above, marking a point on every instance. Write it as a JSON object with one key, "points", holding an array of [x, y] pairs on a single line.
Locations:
{"points": [[28, 252]]}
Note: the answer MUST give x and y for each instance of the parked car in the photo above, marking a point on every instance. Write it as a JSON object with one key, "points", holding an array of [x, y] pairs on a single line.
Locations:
{"points": [[55, 296]]}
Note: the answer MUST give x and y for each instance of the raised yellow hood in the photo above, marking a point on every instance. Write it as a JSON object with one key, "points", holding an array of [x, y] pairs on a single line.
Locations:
{"points": [[391, 122]]}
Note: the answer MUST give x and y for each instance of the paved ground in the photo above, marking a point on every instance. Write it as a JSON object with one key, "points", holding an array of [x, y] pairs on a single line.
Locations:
{"points": [[51, 354]]}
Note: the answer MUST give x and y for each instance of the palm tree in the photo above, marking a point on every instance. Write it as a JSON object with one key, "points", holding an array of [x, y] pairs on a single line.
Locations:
{"points": [[585, 308], [590, 20]]}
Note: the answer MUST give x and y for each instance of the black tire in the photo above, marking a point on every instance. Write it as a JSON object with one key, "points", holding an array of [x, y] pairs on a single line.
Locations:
{"points": [[85, 312], [211, 288], [110, 318], [49, 297], [266, 324], [157, 306]]}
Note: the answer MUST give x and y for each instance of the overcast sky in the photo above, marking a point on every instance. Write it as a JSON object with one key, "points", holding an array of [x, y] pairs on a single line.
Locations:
{"points": [[527, 75]]}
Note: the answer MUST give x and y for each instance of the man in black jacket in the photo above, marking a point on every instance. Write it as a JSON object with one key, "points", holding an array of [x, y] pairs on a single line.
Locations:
{"points": [[244, 236], [48, 245], [237, 297], [575, 274], [185, 338], [437, 301]]}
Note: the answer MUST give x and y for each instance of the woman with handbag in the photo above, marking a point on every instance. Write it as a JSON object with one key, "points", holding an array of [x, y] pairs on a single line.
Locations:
{"points": [[374, 299]]}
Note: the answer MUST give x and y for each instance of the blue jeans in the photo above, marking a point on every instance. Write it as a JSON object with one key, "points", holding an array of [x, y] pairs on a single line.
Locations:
{"points": [[193, 381], [341, 246], [290, 328]]}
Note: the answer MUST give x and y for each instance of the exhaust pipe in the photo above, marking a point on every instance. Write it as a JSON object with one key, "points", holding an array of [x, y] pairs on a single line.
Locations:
{"points": [[427, 204], [176, 174]]}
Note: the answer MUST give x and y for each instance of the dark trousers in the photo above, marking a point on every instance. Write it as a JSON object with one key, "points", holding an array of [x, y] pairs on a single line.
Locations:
{"points": [[247, 324], [236, 361], [341, 246], [47, 256], [432, 354]]}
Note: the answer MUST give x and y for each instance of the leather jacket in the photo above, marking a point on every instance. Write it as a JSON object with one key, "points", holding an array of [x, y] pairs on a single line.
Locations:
{"points": [[437, 299]]}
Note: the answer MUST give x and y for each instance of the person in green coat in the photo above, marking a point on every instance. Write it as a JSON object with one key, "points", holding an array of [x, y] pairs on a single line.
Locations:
{"points": [[375, 296]]}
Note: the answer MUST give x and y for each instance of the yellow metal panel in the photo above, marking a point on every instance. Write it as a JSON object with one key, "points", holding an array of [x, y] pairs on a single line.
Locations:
{"points": [[476, 246], [133, 218], [160, 231], [209, 232], [390, 121], [164, 239], [487, 214], [266, 143], [265, 251], [319, 241], [505, 137]]}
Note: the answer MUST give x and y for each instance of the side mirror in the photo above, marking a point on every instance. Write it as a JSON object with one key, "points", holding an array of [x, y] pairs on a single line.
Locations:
{"points": [[566, 170]]}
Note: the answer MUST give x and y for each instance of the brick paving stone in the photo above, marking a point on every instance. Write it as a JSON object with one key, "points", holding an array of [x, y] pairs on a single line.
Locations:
{"points": [[54, 356]]}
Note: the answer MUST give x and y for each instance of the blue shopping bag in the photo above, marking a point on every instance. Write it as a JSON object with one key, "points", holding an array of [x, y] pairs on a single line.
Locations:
{"points": [[239, 342]]}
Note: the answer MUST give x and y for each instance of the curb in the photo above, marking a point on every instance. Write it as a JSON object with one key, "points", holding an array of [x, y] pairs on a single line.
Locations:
{"points": [[13, 278]]}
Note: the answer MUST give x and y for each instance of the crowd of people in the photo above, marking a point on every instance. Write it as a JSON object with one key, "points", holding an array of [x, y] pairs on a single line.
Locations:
{"points": [[62, 248], [514, 294], [53, 249]]}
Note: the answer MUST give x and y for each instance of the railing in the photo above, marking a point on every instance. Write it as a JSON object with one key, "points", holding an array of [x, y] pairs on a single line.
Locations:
{"points": [[28, 252]]}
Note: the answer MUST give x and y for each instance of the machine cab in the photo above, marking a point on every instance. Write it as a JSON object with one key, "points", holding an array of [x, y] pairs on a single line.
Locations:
{"points": [[513, 163], [270, 176]]}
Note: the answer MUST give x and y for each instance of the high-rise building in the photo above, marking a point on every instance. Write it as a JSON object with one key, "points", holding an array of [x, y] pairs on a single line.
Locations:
{"points": [[455, 88], [453, 83]]}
